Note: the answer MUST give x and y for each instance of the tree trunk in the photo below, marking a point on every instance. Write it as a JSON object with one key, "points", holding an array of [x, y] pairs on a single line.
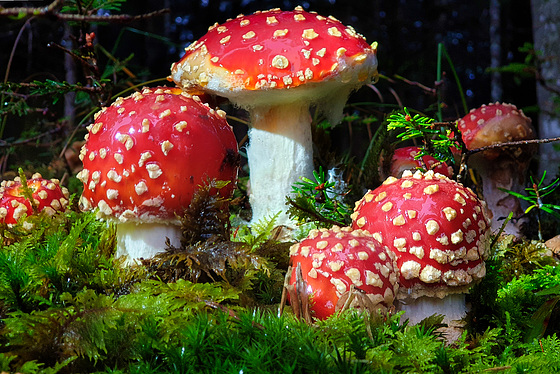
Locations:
{"points": [[546, 33]]}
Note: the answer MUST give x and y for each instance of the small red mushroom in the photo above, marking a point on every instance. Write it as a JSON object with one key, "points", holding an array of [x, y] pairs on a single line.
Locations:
{"points": [[334, 260], [276, 64], [503, 167], [144, 158], [48, 196], [405, 159], [438, 230]]}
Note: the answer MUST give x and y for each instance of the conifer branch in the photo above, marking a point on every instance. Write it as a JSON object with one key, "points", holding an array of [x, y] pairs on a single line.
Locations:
{"points": [[53, 10]]}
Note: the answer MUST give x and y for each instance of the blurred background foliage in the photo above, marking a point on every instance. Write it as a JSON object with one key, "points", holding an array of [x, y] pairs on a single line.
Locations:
{"points": [[60, 66]]}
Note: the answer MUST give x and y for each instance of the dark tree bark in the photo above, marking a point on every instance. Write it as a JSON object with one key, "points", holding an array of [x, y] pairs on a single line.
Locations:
{"points": [[546, 32]]}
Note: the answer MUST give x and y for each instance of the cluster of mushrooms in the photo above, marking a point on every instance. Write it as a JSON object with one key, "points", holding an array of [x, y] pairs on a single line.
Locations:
{"points": [[418, 241]]}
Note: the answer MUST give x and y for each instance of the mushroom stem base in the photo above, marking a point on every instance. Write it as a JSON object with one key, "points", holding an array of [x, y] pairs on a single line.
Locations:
{"points": [[453, 307], [144, 240]]}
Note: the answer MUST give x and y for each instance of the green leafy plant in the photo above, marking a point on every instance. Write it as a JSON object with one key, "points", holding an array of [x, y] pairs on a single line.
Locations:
{"points": [[437, 140], [535, 194], [319, 201]]}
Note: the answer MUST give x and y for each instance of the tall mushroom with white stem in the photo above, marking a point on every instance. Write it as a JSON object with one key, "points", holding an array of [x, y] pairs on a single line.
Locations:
{"points": [[276, 64], [438, 230], [504, 167], [144, 158]]}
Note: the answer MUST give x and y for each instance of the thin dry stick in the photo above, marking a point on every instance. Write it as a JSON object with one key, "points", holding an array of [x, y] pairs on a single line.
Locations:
{"points": [[52, 10]]}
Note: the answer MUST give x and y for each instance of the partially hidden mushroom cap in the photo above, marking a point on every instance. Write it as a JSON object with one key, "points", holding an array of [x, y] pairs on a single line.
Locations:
{"points": [[437, 228], [274, 50], [146, 155], [405, 159], [495, 123], [48, 196], [333, 260]]}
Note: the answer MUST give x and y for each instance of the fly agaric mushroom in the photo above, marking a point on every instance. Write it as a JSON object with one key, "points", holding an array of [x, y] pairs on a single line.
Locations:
{"points": [[48, 196], [276, 64], [144, 158], [405, 159], [503, 167], [438, 230], [334, 260]]}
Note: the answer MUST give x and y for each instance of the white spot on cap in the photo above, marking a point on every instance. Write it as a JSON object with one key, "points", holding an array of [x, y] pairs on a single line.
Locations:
{"points": [[165, 113], [340, 285], [450, 213], [119, 158], [471, 235], [399, 220], [336, 265], [457, 237], [373, 279], [154, 171], [432, 227], [309, 34], [249, 35], [180, 126], [304, 250], [387, 206], [354, 275], [417, 251], [143, 158], [333, 31], [400, 244], [271, 20], [338, 247], [145, 125], [114, 176], [112, 194], [166, 146], [140, 188], [430, 274], [104, 208], [431, 189], [280, 62], [280, 33], [410, 269], [322, 244]]}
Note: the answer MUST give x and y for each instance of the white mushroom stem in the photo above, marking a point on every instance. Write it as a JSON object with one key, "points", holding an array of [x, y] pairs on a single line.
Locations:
{"points": [[144, 240], [506, 173], [280, 152], [453, 307]]}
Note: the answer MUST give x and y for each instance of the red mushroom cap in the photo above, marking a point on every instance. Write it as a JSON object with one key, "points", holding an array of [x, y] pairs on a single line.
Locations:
{"points": [[334, 259], [48, 197], [493, 124], [147, 154], [436, 227], [404, 159], [274, 49]]}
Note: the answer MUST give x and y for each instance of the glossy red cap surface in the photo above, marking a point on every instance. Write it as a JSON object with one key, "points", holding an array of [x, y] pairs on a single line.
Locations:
{"points": [[147, 154], [333, 259], [437, 228]]}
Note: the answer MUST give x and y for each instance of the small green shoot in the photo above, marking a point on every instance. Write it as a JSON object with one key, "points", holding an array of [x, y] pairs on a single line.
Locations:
{"points": [[318, 200], [437, 141], [535, 194]]}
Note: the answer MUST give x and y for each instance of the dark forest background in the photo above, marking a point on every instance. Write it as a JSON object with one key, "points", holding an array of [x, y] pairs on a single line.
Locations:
{"points": [[408, 33]]}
